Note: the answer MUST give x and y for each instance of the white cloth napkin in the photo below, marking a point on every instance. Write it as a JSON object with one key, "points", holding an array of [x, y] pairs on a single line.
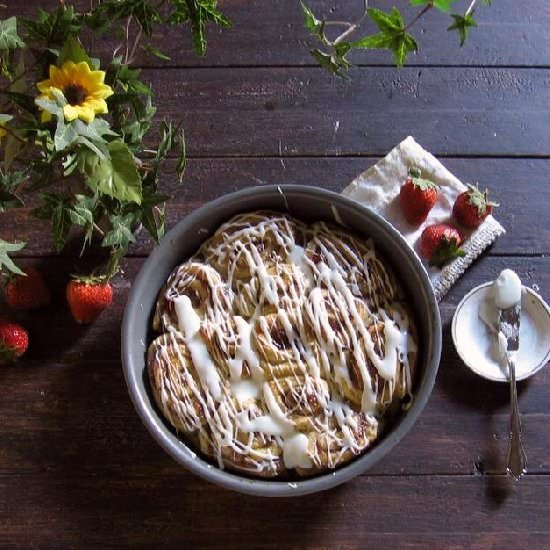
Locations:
{"points": [[378, 188]]}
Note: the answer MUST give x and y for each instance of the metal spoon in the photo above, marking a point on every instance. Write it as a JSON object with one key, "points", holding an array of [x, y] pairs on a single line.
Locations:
{"points": [[508, 327]]}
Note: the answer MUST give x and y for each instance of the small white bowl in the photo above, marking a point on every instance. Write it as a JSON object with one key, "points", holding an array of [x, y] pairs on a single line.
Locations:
{"points": [[478, 347]]}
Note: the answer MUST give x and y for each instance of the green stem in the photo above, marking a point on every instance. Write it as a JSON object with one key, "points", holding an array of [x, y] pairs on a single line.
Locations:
{"points": [[470, 8], [113, 266], [424, 10], [98, 229]]}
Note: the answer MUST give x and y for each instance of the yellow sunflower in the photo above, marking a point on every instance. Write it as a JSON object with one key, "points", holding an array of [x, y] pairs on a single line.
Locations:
{"points": [[83, 89]]}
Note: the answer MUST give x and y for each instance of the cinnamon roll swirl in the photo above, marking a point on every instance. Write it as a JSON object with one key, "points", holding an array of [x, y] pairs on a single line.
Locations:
{"points": [[283, 348]]}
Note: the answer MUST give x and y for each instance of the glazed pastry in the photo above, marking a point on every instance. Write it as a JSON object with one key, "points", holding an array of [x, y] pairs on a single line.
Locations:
{"points": [[284, 348]]}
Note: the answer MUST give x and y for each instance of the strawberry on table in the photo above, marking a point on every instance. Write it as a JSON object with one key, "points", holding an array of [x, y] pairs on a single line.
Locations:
{"points": [[88, 297], [14, 341], [472, 207], [27, 291], [417, 197], [440, 243]]}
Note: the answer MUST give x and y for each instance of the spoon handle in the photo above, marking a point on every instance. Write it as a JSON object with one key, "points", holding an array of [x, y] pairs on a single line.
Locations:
{"points": [[516, 461]]}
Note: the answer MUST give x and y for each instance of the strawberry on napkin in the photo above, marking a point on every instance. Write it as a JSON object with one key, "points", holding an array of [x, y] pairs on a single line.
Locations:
{"points": [[379, 187]]}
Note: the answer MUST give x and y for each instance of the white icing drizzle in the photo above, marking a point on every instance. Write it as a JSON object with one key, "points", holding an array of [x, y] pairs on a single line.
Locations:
{"points": [[298, 341], [245, 389], [189, 323], [296, 453]]}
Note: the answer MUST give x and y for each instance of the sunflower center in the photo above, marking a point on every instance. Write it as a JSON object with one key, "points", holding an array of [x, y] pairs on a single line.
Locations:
{"points": [[75, 94]]}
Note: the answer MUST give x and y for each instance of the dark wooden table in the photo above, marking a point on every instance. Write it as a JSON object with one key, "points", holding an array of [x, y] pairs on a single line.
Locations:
{"points": [[76, 466]]}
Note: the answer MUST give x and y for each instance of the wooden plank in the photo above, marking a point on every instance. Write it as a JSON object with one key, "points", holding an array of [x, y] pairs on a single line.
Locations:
{"points": [[508, 33], [167, 510], [522, 213], [296, 112], [453, 436], [72, 376]]}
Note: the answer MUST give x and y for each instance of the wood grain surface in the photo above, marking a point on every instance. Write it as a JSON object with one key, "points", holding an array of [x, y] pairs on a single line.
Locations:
{"points": [[271, 32], [78, 469]]}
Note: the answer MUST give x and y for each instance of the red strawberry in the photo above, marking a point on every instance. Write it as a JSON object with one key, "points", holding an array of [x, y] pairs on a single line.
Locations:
{"points": [[88, 297], [27, 292], [472, 207], [440, 243], [14, 341], [417, 197]]}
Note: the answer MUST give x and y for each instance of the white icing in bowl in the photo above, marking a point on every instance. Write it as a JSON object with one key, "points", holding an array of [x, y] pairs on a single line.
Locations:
{"points": [[507, 289], [478, 346]]}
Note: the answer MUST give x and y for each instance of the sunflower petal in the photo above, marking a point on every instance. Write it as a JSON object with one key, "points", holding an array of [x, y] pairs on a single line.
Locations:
{"points": [[43, 86], [71, 112], [57, 77], [97, 77], [85, 113], [98, 105], [101, 92], [45, 116]]}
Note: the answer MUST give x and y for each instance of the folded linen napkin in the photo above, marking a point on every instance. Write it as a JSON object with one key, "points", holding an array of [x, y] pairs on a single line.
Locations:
{"points": [[378, 188]]}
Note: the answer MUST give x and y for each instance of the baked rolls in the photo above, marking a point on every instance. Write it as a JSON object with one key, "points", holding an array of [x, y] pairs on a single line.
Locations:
{"points": [[283, 348]]}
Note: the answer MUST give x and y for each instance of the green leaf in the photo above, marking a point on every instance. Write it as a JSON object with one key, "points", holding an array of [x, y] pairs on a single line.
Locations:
{"points": [[152, 215], [91, 135], [5, 261], [402, 45], [182, 158], [386, 22], [82, 214], [116, 176], [393, 35], [121, 234], [9, 39], [53, 27], [311, 22], [147, 15], [333, 64], [80, 133], [100, 148], [461, 24], [342, 48], [180, 13], [378, 41], [54, 106], [65, 134], [9, 183], [73, 51], [70, 164], [96, 129], [197, 13], [442, 5], [57, 209], [126, 78], [198, 34], [212, 13], [149, 48]]}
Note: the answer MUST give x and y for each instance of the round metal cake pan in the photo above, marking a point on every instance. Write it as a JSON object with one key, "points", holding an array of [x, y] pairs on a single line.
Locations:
{"points": [[308, 204]]}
